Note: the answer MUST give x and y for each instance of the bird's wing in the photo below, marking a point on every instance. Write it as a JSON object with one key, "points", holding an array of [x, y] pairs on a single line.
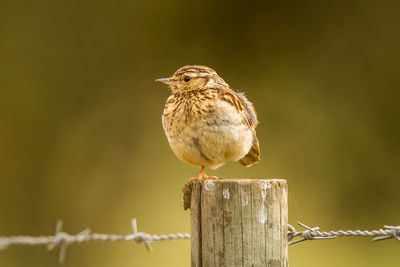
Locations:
{"points": [[242, 105], [246, 109]]}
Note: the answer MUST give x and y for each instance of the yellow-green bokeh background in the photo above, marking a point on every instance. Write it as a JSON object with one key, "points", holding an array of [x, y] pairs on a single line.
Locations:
{"points": [[80, 119]]}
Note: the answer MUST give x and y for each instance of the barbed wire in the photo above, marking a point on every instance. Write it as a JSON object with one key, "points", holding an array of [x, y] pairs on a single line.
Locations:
{"points": [[314, 234], [63, 239]]}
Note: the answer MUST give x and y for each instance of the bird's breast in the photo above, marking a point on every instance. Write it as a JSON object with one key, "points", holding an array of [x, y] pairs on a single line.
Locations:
{"points": [[181, 111]]}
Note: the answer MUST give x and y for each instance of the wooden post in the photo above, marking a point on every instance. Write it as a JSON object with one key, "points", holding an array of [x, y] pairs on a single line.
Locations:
{"points": [[239, 222]]}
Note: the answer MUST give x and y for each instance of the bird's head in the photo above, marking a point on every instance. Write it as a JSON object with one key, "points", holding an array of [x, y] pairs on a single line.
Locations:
{"points": [[193, 77]]}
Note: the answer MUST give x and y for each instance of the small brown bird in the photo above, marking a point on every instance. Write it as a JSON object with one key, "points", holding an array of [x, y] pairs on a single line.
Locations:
{"points": [[206, 122]]}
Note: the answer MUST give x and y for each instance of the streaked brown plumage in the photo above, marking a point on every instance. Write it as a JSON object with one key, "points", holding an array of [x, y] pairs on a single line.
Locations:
{"points": [[206, 122]]}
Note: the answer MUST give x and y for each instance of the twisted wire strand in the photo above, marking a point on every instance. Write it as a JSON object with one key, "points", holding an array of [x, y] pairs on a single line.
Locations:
{"points": [[63, 239]]}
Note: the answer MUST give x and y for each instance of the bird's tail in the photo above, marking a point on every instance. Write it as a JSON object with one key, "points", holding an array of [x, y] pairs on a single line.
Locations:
{"points": [[253, 156]]}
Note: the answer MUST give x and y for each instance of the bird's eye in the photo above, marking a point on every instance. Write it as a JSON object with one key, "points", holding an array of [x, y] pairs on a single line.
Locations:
{"points": [[187, 78]]}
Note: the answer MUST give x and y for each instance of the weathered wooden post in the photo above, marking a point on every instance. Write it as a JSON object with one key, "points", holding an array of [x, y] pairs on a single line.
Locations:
{"points": [[238, 222]]}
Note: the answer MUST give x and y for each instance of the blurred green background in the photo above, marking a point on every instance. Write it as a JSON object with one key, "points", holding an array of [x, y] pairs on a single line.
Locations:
{"points": [[80, 120]]}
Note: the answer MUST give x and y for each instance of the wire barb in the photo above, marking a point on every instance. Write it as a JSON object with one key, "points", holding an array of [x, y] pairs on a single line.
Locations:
{"points": [[141, 237], [393, 232], [63, 240], [309, 234]]}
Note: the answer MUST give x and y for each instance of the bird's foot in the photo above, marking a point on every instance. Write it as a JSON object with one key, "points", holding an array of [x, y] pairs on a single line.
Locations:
{"points": [[195, 179], [203, 176], [206, 177]]}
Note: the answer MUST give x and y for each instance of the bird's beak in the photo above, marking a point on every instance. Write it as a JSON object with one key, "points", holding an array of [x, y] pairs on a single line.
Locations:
{"points": [[168, 81]]}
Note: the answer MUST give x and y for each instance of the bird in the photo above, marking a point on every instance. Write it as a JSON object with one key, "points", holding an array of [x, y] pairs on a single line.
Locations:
{"points": [[206, 122]]}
